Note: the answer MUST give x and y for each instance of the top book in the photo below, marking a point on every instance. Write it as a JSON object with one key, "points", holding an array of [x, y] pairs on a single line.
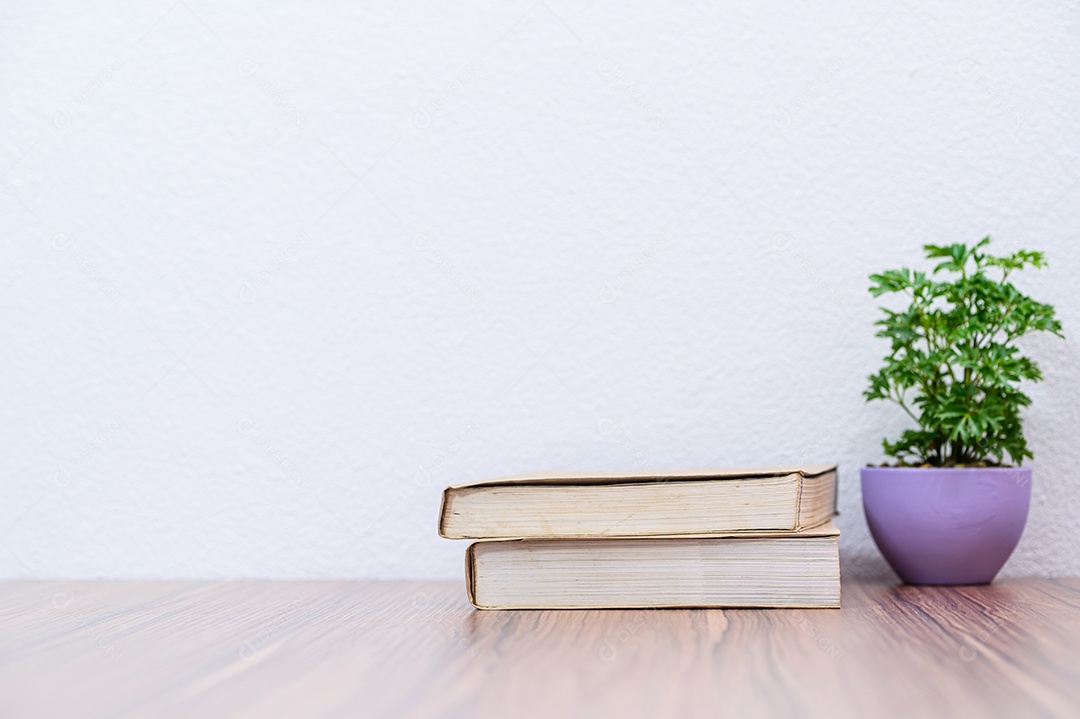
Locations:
{"points": [[640, 504]]}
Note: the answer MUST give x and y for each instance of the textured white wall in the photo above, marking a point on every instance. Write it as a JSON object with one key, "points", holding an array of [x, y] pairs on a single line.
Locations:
{"points": [[272, 276]]}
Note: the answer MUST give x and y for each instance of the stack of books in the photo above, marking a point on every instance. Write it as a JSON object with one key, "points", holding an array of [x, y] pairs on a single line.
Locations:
{"points": [[713, 538]]}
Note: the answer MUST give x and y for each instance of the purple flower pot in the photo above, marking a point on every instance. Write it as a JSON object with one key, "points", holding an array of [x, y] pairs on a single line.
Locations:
{"points": [[946, 525]]}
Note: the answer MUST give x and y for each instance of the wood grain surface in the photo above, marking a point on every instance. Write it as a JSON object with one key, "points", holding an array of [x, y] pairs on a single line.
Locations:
{"points": [[404, 649]]}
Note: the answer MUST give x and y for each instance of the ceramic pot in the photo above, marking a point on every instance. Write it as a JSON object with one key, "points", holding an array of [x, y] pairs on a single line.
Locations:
{"points": [[946, 525]]}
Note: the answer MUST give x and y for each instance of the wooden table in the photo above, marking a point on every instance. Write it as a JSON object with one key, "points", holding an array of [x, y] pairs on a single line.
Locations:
{"points": [[400, 649]]}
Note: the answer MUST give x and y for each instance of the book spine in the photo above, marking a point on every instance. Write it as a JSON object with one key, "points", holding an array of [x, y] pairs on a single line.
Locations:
{"points": [[442, 514], [800, 478], [470, 575]]}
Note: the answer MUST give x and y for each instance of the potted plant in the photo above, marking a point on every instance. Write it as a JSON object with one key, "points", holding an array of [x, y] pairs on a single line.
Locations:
{"points": [[952, 507]]}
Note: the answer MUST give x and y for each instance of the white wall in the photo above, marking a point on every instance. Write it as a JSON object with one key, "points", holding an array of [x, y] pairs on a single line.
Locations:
{"points": [[274, 275]]}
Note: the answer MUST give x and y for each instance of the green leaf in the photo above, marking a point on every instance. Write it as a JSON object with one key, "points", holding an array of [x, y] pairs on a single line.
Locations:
{"points": [[953, 363]]}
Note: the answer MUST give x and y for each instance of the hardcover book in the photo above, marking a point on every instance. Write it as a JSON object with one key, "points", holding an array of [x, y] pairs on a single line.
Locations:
{"points": [[640, 504], [768, 569]]}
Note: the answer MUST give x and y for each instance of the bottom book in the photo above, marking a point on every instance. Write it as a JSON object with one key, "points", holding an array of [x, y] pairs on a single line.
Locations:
{"points": [[774, 569]]}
